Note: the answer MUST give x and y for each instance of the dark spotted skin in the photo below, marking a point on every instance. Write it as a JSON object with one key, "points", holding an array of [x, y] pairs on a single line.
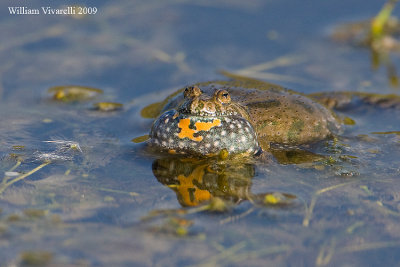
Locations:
{"points": [[273, 114]]}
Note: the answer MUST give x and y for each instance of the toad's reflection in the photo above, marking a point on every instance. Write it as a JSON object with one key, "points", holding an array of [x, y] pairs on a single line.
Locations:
{"points": [[196, 181]]}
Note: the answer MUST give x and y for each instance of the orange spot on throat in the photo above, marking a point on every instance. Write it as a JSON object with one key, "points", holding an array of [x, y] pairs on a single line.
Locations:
{"points": [[199, 126]]}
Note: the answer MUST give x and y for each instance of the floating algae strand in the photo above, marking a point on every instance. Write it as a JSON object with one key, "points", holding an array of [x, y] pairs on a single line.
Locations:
{"points": [[69, 93], [108, 106]]}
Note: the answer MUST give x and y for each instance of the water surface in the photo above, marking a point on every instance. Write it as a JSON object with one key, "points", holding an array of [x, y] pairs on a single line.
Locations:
{"points": [[86, 207]]}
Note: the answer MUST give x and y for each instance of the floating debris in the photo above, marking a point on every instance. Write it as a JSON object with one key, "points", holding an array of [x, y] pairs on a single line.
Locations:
{"points": [[53, 156], [13, 218], [36, 258], [18, 147], [348, 121], [35, 213], [11, 174], [73, 93], [275, 199], [140, 139], [109, 199], [389, 132], [108, 106], [47, 120], [65, 145]]}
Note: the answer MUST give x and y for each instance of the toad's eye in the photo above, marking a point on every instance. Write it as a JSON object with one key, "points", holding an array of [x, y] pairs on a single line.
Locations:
{"points": [[223, 97], [192, 91], [186, 93]]}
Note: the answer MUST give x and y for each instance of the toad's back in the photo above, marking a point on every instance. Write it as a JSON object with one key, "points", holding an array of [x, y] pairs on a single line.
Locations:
{"points": [[283, 116]]}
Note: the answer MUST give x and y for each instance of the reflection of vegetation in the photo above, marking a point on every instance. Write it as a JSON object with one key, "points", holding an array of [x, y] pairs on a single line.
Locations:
{"points": [[379, 34]]}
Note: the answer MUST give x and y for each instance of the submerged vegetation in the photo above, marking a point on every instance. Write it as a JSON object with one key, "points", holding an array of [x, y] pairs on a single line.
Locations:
{"points": [[8, 181]]}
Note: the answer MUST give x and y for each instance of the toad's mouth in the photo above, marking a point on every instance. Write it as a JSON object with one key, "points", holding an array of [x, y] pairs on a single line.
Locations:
{"points": [[210, 113], [207, 108], [183, 133]]}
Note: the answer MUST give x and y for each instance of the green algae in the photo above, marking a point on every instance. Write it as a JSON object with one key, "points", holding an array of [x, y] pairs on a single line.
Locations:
{"points": [[70, 93]]}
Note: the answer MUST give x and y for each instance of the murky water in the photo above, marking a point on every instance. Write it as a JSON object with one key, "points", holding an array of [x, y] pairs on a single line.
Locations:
{"points": [[91, 197]]}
